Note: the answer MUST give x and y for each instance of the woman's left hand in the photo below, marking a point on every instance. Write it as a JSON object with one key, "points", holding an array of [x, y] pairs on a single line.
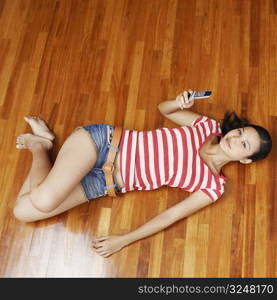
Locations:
{"points": [[107, 245]]}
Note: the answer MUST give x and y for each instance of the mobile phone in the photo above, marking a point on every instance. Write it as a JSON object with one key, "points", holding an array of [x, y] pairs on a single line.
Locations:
{"points": [[200, 94]]}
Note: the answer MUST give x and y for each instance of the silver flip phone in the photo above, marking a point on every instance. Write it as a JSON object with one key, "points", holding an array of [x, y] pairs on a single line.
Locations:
{"points": [[200, 94]]}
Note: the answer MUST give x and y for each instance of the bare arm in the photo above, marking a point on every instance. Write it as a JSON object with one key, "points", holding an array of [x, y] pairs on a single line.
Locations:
{"points": [[172, 109], [175, 213], [105, 246]]}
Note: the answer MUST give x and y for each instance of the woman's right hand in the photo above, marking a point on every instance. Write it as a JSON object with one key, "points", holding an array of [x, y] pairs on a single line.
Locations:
{"points": [[184, 101], [107, 245]]}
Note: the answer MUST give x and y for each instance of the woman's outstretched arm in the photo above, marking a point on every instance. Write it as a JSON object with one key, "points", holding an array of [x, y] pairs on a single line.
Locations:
{"points": [[106, 246], [177, 110]]}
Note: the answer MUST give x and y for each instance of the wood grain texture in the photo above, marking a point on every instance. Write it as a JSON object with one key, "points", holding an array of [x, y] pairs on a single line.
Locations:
{"points": [[78, 62]]}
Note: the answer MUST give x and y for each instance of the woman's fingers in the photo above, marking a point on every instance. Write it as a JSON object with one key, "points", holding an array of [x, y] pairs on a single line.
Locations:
{"points": [[106, 246], [185, 99], [96, 242], [182, 100], [96, 246], [100, 249], [101, 238], [107, 254], [191, 101]]}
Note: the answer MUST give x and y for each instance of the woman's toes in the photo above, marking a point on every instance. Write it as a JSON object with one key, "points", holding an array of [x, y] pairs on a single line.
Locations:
{"points": [[23, 137], [19, 139], [31, 142], [20, 146], [39, 127]]}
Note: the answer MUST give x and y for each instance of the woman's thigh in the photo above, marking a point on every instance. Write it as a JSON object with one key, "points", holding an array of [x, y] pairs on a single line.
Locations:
{"points": [[75, 159]]}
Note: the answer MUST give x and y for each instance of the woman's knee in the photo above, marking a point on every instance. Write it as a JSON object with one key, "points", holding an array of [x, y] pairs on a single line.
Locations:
{"points": [[44, 201], [20, 208], [21, 214], [25, 211]]}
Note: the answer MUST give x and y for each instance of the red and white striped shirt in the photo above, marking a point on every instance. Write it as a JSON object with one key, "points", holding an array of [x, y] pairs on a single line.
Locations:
{"points": [[151, 159]]}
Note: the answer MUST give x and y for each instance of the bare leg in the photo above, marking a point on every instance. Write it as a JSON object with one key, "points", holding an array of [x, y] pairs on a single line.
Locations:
{"points": [[77, 145], [40, 169], [41, 166], [41, 162], [25, 188], [46, 166]]}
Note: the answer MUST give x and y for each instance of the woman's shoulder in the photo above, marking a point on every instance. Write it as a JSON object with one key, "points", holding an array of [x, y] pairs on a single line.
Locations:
{"points": [[204, 119]]}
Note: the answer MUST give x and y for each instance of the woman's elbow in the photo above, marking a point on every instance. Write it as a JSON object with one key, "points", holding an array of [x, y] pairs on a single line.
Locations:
{"points": [[160, 108]]}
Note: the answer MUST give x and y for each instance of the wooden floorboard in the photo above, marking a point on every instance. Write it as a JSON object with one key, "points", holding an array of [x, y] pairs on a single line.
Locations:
{"points": [[78, 62]]}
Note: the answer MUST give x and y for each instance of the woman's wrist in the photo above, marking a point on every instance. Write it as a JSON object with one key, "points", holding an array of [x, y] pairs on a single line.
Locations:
{"points": [[128, 238], [169, 106], [178, 103]]}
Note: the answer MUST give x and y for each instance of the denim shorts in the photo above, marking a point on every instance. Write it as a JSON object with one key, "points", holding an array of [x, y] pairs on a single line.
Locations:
{"points": [[94, 182]]}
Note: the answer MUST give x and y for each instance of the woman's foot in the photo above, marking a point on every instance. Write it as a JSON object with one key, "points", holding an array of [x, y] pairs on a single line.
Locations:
{"points": [[32, 142], [39, 127]]}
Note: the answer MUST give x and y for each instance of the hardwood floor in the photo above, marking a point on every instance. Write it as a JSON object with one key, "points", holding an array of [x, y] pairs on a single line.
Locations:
{"points": [[78, 62]]}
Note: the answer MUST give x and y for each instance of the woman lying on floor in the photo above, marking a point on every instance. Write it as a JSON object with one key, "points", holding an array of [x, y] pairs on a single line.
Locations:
{"points": [[190, 157]]}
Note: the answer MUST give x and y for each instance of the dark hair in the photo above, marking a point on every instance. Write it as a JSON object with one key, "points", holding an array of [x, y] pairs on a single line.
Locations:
{"points": [[232, 121]]}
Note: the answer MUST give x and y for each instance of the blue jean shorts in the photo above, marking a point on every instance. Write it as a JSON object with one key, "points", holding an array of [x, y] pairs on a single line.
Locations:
{"points": [[94, 182]]}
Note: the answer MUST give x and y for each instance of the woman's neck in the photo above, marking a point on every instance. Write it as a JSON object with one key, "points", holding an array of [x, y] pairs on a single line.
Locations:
{"points": [[216, 155]]}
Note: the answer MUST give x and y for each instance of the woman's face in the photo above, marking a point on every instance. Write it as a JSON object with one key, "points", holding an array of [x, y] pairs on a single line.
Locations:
{"points": [[238, 144]]}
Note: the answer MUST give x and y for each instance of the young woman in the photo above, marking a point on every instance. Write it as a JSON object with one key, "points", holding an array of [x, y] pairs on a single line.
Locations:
{"points": [[190, 157]]}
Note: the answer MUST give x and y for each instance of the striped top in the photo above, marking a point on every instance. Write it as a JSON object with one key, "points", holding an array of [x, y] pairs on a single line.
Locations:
{"points": [[151, 159]]}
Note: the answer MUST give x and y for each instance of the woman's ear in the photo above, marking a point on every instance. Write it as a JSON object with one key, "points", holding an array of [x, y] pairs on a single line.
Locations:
{"points": [[245, 161]]}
